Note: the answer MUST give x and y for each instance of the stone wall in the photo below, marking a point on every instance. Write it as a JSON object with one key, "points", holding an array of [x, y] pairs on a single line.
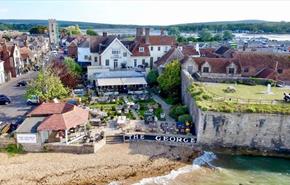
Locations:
{"points": [[74, 148], [270, 132], [257, 131]]}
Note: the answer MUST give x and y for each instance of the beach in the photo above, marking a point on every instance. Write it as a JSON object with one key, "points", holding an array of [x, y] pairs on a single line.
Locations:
{"points": [[122, 163]]}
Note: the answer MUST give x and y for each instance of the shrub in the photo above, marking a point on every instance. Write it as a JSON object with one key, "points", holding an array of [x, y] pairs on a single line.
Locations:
{"points": [[184, 118], [177, 110]]}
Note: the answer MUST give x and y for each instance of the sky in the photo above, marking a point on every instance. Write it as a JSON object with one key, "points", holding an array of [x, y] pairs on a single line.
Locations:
{"points": [[146, 12]]}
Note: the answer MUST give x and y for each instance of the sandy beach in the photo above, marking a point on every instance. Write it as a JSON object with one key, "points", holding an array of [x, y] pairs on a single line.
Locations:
{"points": [[125, 163]]}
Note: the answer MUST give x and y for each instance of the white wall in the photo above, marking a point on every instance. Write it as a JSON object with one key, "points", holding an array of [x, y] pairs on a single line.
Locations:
{"points": [[107, 55], [155, 53], [139, 61], [2, 74], [81, 54]]}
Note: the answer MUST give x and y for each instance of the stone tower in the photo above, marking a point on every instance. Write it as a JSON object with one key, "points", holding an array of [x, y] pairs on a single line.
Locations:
{"points": [[53, 31]]}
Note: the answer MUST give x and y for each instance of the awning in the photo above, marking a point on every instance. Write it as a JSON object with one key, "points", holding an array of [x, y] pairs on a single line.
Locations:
{"points": [[109, 82], [134, 81], [121, 81]]}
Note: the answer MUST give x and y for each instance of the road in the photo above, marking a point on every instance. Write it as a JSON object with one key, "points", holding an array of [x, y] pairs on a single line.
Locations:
{"points": [[18, 106]]}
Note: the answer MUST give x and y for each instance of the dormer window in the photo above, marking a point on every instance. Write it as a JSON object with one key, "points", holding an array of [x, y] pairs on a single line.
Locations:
{"points": [[246, 70], [141, 49], [205, 69], [231, 70]]}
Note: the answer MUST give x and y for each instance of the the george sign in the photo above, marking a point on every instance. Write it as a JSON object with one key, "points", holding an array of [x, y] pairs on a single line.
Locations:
{"points": [[26, 138], [161, 138]]}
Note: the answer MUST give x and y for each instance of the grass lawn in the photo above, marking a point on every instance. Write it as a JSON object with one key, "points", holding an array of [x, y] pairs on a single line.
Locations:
{"points": [[246, 91], [204, 97]]}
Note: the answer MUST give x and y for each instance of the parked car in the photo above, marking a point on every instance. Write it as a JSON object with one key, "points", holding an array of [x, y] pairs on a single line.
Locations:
{"points": [[4, 100], [33, 100], [21, 83]]}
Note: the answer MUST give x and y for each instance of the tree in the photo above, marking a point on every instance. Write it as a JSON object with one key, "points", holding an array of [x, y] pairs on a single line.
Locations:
{"points": [[46, 86], [205, 35], [218, 37], [73, 30], [73, 66], [91, 32], [169, 81], [67, 78], [178, 110], [184, 118], [174, 31], [38, 30], [228, 35], [152, 77]]}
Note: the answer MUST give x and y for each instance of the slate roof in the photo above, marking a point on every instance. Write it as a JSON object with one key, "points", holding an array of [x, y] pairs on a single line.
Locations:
{"points": [[99, 43], [172, 54]]}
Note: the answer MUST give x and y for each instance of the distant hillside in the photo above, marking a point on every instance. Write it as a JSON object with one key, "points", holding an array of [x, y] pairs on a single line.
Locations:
{"points": [[82, 25], [257, 26]]}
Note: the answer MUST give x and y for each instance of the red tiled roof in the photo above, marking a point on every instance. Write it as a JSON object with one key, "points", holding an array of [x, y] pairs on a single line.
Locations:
{"points": [[51, 108], [218, 65], [135, 50], [25, 52], [208, 52], [261, 65], [161, 40], [66, 120], [189, 50], [157, 40]]}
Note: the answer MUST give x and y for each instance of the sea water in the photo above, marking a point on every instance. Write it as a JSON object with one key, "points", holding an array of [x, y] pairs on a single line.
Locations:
{"points": [[227, 170]]}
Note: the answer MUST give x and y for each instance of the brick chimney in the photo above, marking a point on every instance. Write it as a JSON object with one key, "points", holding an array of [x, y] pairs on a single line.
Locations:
{"points": [[139, 32], [161, 31], [105, 34], [147, 34]]}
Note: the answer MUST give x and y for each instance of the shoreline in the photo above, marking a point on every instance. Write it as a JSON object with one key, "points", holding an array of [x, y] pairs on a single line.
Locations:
{"points": [[122, 163]]}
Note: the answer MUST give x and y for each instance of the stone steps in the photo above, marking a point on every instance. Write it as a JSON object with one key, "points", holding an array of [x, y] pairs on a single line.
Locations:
{"points": [[114, 139]]}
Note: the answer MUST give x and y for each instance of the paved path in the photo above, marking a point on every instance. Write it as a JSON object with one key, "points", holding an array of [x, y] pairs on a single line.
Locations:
{"points": [[18, 106], [166, 107]]}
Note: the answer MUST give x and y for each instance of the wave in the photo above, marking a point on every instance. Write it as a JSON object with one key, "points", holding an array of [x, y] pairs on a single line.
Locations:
{"points": [[203, 160]]}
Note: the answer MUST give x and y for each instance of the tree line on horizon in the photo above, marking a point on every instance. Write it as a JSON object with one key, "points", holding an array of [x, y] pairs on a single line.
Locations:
{"points": [[260, 27]]}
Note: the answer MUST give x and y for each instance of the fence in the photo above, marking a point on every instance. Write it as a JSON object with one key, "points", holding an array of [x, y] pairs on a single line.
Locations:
{"points": [[246, 101]]}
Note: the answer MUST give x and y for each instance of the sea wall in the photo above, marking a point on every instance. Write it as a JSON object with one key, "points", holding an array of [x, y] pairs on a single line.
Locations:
{"points": [[258, 131]]}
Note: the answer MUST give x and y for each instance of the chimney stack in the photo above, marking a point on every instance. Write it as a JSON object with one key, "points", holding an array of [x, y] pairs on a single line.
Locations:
{"points": [[139, 32], [105, 34], [161, 31], [147, 33]]}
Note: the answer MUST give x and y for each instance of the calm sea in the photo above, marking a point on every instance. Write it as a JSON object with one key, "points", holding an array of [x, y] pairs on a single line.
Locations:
{"points": [[229, 170]]}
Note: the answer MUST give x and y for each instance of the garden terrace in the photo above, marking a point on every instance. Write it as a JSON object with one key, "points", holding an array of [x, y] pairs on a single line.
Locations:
{"points": [[212, 97]]}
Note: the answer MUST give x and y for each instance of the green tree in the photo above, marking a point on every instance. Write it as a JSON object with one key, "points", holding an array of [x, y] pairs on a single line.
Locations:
{"points": [[174, 31], [91, 32], [205, 35], [178, 110], [46, 86], [152, 77], [228, 35], [218, 37], [73, 66], [73, 30], [169, 80], [38, 30], [185, 118]]}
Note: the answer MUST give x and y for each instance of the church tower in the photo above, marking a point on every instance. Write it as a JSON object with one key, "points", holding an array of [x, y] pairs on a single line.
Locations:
{"points": [[53, 31]]}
